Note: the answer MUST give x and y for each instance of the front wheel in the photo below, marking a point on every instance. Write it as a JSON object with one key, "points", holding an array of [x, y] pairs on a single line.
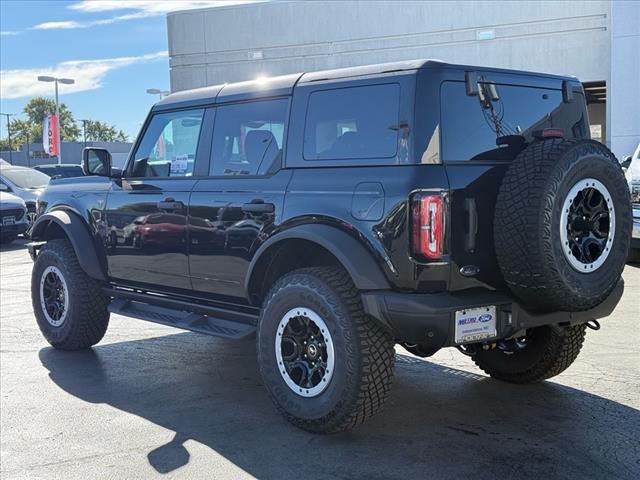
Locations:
{"points": [[542, 353], [69, 306], [326, 365]]}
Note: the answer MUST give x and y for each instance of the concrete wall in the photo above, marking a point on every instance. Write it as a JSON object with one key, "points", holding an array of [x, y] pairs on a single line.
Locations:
{"points": [[217, 45], [623, 87]]}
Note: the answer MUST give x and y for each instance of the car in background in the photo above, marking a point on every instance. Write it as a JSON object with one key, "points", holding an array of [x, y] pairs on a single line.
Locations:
{"points": [[62, 170], [632, 174], [25, 183], [13, 217]]}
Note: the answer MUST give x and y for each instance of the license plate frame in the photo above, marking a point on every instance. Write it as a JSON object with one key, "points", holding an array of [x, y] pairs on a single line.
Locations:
{"points": [[9, 220], [476, 324]]}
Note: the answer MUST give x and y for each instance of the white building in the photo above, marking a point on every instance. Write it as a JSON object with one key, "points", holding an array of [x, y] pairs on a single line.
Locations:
{"points": [[597, 41]]}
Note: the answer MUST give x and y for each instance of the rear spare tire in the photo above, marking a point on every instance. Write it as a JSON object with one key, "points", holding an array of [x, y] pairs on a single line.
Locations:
{"points": [[562, 224]]}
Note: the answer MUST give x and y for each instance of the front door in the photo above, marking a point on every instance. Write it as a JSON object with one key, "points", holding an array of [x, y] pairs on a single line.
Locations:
{"points": [[147, 210], [242, 198]]}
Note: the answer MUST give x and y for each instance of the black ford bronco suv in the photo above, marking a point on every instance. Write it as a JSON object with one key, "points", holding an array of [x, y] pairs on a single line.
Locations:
{"points": [[334, 214]]}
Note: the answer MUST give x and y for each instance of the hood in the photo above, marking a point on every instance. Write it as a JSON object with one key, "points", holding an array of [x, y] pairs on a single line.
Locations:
{"points": [[8, 200], [28, 194]]}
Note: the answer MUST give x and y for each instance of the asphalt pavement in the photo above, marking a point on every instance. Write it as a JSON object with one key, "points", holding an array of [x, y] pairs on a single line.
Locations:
{"points": [[154, 402]]}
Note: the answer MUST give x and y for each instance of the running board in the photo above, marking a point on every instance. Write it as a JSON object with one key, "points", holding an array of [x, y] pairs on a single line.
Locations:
{"points": [[171, 317]]}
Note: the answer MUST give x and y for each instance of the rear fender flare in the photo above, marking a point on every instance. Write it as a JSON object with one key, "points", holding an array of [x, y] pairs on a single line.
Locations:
{"points": [[353, 255]]}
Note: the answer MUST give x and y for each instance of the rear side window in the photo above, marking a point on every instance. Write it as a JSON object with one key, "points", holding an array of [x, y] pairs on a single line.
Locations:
{"points": [[248, 137], [472, 127], [352, 123]]}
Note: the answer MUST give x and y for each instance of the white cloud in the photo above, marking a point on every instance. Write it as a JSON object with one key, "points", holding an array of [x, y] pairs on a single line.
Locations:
{"points": [[141, 9], [88, 75], [150, 7], [6, 33]]}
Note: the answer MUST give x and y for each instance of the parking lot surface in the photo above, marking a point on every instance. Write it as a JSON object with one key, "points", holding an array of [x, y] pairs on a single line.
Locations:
{"points": [[151, 401]]}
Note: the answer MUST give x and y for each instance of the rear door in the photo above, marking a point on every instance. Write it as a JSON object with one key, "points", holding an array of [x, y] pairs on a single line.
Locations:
{"points": [[243, 196], [147, 210], [480, 136]]}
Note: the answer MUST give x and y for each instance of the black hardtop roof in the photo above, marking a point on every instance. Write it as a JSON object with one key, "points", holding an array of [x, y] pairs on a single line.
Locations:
{"points": [[284, 84]]}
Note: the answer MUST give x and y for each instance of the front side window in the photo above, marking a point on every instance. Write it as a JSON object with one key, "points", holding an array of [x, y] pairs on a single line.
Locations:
{"points": [[168, 147], [248, 137], [352, 123]]}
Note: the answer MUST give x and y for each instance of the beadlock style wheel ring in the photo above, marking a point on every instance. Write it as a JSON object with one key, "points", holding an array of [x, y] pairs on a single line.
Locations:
{"points": [[54, 296], [587, 225], [304, 352]]}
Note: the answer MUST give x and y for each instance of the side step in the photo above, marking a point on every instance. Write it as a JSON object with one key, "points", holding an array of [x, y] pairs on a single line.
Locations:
{"points": [[180, 319]]}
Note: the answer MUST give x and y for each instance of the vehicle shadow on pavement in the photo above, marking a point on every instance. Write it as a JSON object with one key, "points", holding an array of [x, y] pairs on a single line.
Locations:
{"points": [[17, 244], [439, 421]]}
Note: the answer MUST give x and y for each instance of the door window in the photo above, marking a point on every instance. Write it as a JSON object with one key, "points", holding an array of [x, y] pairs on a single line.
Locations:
{"points": [[168, 147], [248, 137]]}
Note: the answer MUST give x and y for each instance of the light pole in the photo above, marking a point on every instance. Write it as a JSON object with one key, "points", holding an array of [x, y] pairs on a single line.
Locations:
{"points": [[84, 131], [9, 134], [157, 91], [64, 81]]}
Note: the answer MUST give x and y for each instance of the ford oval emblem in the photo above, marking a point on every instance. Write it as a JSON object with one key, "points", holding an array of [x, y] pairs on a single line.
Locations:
{"points": [[469, 270], [485, 317]]}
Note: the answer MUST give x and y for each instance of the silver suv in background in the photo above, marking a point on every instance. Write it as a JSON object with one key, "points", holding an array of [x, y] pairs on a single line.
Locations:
{"points": [[13, 213], [632, 175], [25, 183]]}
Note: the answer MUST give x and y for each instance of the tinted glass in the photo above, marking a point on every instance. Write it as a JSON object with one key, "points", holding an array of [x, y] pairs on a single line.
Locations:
{"points": [[25, 177], [248, 137], [472, 126], [352, 123], [168, 147]]}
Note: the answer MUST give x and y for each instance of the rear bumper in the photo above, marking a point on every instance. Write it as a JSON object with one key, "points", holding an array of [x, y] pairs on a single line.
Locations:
{"points": [[429, 319]]}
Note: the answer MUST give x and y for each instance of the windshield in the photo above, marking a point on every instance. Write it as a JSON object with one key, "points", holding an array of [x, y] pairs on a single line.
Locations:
{"points": [[27, 178]]}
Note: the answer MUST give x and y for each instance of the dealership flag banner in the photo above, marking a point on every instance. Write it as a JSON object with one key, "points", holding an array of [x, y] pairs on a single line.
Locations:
{"points": [[49, 135]]}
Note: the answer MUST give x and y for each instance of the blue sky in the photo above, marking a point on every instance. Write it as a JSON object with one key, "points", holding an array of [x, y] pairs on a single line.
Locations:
{"points": [[115, 50]]}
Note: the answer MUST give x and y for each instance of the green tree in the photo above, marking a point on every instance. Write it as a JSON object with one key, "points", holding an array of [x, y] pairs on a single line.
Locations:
{"points": [[97, 131], [38, 108]]}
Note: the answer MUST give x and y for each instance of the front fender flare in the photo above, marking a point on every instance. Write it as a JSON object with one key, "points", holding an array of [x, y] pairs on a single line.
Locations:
{"points": [[77, 230], [353, 255]]}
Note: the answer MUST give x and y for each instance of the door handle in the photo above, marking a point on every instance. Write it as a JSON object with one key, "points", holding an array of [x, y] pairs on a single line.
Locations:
{"points": [[170, 204], [258, 206]]}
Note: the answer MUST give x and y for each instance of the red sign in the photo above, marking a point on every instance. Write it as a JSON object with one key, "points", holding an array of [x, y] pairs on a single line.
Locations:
{"points": [[50, 135]]}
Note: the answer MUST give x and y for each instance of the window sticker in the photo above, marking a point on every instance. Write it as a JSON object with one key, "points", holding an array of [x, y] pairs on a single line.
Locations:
{"points": [[179, 164]]}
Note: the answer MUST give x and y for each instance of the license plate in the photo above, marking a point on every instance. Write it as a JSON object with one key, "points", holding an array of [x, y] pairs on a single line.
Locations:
{"points": [[8, 220], [475, 324]]}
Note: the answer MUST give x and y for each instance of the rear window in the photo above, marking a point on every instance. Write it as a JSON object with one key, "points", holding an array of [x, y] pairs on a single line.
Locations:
{"points": [[352, 123], [473, 126]]}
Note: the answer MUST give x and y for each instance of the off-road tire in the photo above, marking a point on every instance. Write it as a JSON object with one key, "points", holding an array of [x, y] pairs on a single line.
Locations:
{"points": [[527, 224], [551, 351], [87, 318], [364, 353]]}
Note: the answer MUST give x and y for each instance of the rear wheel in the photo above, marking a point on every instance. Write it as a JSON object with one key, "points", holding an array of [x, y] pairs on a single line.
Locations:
{"points": [[69, 306], [541, 353], [326, 365]]}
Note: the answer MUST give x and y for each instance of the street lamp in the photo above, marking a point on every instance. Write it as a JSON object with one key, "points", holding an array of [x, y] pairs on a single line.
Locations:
{"points": [[84, 131], [9, 134], [157, 91], [64, 81]]}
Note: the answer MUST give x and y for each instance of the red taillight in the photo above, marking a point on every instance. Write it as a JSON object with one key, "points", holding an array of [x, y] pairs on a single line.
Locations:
{"points": [[428, 226]]}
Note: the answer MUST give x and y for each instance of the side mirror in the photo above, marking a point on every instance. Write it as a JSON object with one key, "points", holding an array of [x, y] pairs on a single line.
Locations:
{"points": [[96, 161]]}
